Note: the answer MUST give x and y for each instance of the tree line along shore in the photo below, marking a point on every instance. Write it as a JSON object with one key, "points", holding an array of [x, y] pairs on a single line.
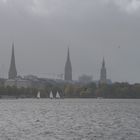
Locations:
{"points": [[91, 90]]}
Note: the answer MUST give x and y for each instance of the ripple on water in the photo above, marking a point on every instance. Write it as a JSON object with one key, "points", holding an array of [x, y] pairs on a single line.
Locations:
{"points": [[71, 119]]}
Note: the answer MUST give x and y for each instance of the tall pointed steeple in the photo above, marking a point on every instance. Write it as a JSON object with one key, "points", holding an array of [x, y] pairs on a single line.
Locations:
{"points": [[12, 70], [68, 55], [68, 68], [103, 64], [103, 76]]}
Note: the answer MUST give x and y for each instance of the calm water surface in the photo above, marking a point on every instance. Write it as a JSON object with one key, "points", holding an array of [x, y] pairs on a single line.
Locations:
{"points": [[69, 119]]}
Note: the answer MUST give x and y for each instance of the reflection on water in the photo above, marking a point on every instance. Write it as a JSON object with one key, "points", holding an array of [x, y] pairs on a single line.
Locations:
{"points": [[69, 119]]}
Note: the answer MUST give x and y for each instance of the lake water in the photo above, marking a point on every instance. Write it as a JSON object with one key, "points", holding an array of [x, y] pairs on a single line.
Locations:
{"points": [[69, 119]]}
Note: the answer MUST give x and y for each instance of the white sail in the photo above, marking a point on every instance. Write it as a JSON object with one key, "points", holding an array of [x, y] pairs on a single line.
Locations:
{"points": [[57, 95], [38, 94], [51, 95]]}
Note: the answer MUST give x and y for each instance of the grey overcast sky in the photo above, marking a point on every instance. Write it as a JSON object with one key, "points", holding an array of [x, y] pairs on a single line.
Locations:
{"points": [[42, 30]]}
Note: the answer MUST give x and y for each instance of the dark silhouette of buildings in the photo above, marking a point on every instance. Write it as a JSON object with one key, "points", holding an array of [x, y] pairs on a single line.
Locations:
{"points": [[12, 70], [32, 81], [103, 74], [68, 68]]}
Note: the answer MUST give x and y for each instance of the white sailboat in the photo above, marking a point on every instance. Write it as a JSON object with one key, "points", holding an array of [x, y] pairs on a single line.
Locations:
{"points": [[51, 95], [57, 95], [38, 95]]}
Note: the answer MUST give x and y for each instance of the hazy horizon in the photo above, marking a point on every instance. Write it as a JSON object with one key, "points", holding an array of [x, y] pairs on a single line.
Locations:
{"points": [[42, 30]]}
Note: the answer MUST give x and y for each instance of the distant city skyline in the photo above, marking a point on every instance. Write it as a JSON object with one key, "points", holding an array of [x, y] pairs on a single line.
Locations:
{"points": [[67, 76], [42, 30]]}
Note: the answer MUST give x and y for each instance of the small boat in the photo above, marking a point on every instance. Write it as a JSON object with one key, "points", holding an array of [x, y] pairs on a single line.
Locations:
{"points": [[38, 95], [57, 95], [51, 95]]}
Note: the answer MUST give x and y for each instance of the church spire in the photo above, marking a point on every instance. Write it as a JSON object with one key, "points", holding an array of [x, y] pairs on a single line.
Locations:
{"points": [[103, 64], [103, 78], [12, 70], [68, 55], [68, 68]]}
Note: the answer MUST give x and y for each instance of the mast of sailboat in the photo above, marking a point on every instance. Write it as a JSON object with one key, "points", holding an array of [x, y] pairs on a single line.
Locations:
{"points": [[38, 94], [57, 95], [51, 95]]}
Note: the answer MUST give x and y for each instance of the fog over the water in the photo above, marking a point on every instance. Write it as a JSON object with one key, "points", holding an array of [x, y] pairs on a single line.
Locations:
{"points": [[42, 30]]}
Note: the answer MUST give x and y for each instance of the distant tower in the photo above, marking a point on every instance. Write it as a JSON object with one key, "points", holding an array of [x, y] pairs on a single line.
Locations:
{"points": [[12, 70], [68, 68], [103, 78]]}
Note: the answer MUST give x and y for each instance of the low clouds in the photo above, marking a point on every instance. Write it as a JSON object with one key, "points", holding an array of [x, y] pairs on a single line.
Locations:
{"points": [[42, 6], [39, 8], [52, 7], [42, 30], [5, 1], [45, 8], [129, 6]]}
